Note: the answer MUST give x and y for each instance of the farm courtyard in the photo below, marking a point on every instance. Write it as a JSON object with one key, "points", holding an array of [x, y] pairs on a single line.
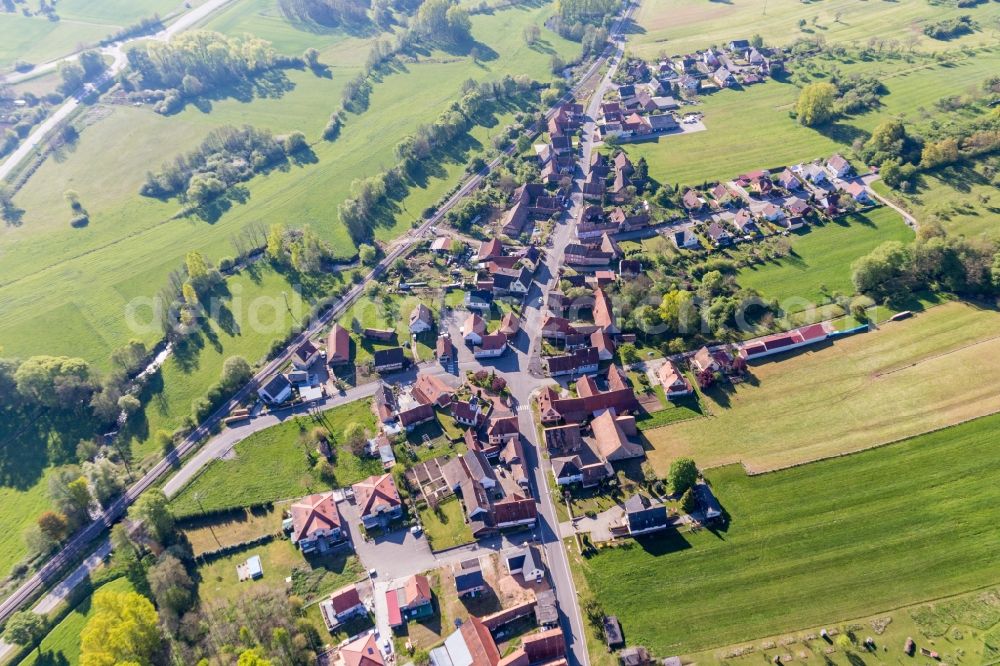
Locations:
{"points": [[873, 388], [823, 542]]}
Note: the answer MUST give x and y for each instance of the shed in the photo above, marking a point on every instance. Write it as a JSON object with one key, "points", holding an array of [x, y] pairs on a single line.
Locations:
{"points": [[613, 632]]}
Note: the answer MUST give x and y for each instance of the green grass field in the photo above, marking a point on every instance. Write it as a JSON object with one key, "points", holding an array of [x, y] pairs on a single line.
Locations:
{"points": [[750, 129], [681, 26], [57, 279], [62, 645], [823, 542], [907, 378], [960, 197], [36, 39], [821, 258], [24, 506], [272, 465]]}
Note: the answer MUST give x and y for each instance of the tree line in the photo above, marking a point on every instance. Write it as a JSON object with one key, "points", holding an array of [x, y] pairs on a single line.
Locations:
{"points": [[197, 62], [371, 198]]}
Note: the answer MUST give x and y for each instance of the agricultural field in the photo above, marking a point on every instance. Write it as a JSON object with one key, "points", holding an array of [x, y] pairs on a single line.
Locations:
{"points": [[904, 379], [751, 129], [965, 627], [963, 198], [277, 463], [69, 279], [679, 26], [823, 542], [62, 645], [36, 39], [24, 504], [819, 264]]}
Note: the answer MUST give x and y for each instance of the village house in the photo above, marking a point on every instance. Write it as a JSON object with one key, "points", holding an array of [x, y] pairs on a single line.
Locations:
{"points": [[858, 192], [469, 580], [692, 202], [579, 361], [478, 299], [629, 268], [384, 404], [685, 239], [530, 201], [616, 436], [502, 430], [814, 173], [643, 516], [604, 316], [510, 324], [772, 213], [305, 355], [788, 180], [576, 254], [490, 346], [744, 222], [589, 399], [341, 606], [489, 250], [389, 360], [719, 235], [315, 523], [723, 78], [838, 166], [473, 329], [602, 342], [445, 350], [526, 561], [338, 346], [421, 319], [430, 389], [556, 328], [362, 651], [410, 601], [378, 500], [675, 384], [276, 391]]}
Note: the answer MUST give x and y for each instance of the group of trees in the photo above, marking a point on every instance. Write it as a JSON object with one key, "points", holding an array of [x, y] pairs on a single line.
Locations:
{"points": [[302, 249], [442, 21], [227, 156], [73, 74], [371, 198], [950, 28], [326, 12], [966, 267], [196, 62], [822, 101], [585, 21]]}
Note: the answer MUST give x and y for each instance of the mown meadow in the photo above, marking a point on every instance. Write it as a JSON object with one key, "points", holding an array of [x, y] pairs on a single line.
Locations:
{"points": [[818, 543]]}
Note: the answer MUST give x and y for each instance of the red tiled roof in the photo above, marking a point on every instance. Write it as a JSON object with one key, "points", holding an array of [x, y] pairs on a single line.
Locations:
{"points": [[376, 491], [338, 344], [312, 514], [362, 652], [345, 599]]}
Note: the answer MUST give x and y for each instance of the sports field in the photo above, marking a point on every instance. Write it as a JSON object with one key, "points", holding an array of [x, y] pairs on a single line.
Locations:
{"points": [[680, 26], [821, 258], [751, 129], [935, 369], [824, 542]]}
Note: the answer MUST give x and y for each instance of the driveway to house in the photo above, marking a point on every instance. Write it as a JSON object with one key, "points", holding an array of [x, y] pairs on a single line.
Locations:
{"points": [[867, 181]]}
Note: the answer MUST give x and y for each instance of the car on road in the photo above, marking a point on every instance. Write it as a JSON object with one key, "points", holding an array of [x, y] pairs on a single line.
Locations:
{"points": [[372, 573], [416, 530]]}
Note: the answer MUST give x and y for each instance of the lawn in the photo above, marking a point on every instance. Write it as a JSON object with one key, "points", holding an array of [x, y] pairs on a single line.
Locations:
{"points": [[751, 129], [22, 507], [280, 560], [275, 464], [448, 529], [679, 26], [210, 534], [820, 261], [960, 197], [62, 645], [905, 379], [823, 542]]}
